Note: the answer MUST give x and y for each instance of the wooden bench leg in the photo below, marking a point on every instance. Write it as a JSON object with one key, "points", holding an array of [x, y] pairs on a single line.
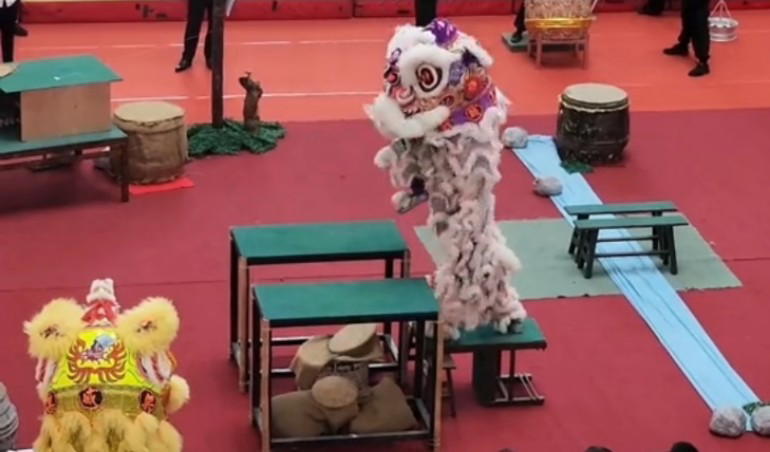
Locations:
{"points": [[575, 240], [590, 242], [581, 251], [671, 250], [664, 246], [450, 388], [125, 193]]}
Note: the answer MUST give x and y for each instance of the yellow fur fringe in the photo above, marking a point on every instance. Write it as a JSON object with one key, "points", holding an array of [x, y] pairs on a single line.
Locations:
{"points": [[149, 327], [178, 394], [108, 431], [60, 320]]}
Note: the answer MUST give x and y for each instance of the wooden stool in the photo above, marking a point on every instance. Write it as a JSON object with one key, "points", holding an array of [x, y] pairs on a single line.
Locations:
{"points": [[157, 141], [558, 24], [491, 385]]}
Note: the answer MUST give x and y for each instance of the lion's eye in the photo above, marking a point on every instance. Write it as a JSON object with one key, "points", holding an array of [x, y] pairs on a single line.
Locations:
{"points": [[429, 77]]}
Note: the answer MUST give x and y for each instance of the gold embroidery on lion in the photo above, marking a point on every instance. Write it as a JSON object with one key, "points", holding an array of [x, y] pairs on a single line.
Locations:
{"points": [[104, 358]]}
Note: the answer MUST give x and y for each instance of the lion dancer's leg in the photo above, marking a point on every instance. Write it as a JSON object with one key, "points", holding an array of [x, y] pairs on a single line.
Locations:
{"points": [[401, 158], [473, 283]]}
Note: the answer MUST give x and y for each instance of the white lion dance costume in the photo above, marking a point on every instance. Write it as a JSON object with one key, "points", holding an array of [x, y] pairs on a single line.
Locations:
{"points": [[106, 379], [444, 114]]}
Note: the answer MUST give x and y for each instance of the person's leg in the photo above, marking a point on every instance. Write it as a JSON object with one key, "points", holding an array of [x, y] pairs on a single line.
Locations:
{"points": [[425, 11], [207, 42], [519, 23], [701, 39], [686, 34], [7, 30], [18, 29], [195, 11]]}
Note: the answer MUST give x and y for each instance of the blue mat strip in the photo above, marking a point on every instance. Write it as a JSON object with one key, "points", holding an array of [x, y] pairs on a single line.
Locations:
{"points": [[648, 291]]}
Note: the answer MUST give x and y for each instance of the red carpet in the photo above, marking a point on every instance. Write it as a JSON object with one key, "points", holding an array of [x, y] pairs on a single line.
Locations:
{"points": [[607, 379]]}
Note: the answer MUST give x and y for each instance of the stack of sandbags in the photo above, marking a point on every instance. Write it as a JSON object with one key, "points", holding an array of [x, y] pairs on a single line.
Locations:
{"points": [[347, 353], [325, 409], [333, 406], [332, 375], [9, 421]]}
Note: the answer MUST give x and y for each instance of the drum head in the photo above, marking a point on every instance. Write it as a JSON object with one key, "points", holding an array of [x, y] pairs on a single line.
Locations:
{"points": [[352, 338], [334, 392], [594, 94]]}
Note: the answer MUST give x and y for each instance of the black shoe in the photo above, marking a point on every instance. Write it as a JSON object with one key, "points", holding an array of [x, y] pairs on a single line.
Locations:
{"points": [[183, 65], [700, 70], [20, 31], [677, 50], [517, 37]]}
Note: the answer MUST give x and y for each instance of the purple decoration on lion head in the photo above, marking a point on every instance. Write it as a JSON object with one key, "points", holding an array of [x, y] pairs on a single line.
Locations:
{"points": [[444, 31], [440, 71]]}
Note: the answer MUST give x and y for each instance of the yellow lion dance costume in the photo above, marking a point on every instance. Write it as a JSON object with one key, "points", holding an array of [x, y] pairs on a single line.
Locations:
{"points": [[106, 378]]}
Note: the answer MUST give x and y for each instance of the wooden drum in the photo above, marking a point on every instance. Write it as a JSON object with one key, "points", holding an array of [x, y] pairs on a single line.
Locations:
{"points": [[157, 141], [593, 124]]}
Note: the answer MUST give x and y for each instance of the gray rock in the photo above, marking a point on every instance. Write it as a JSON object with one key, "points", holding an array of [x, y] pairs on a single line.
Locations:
{"points": [[515, 137], [760, 421], [729, 421], [547, 186]]}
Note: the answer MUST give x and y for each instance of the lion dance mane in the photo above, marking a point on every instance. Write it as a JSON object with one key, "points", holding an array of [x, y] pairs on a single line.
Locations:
{"points": [[105, 378], [443, 114]]}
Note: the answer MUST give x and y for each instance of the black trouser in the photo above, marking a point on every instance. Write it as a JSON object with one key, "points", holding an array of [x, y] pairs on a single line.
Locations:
{"points": [[519, 22], [654, 6], [695, 27], [8, 16], [196, 9], [425, 11]]}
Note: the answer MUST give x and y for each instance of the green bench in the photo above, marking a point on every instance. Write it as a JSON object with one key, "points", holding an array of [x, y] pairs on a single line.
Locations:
{"points": [[317, 304], [16, 153], [662, 237], [304, 244], [585, 211], [491, 386]]}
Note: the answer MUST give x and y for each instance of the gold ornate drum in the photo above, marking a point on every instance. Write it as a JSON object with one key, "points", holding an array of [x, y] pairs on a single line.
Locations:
{"points": [[593, 125], [559, 19], [157, 141]]}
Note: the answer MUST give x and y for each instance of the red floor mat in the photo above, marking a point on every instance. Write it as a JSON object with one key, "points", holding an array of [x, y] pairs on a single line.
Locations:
{"points": [[607, 379]]}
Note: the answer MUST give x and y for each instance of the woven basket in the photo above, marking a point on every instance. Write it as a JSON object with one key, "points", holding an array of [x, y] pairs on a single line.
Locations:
{"points": [[722, 26]]}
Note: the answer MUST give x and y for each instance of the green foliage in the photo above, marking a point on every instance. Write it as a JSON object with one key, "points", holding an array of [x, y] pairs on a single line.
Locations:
{"points": [[232, 138]]}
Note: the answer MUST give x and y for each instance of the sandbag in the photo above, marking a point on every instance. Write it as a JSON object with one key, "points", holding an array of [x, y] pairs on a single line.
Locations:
{"points": [[386, 411], [729, 422], [296, 414], [547, 186], [353, 340], [760, 421], [515, 138], [311, 358], [337, 396]]}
